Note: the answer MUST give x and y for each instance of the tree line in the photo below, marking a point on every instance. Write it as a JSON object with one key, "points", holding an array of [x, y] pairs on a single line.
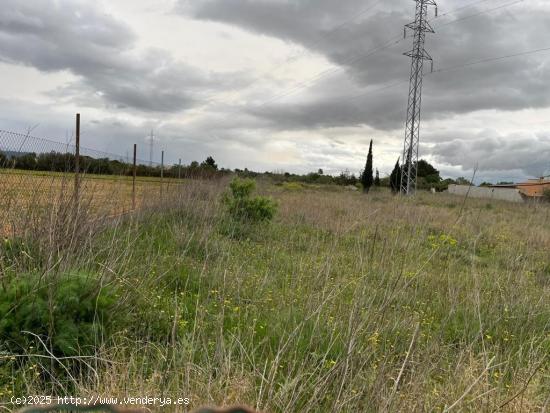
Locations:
{"points": [[66, 162], [428, 176]]}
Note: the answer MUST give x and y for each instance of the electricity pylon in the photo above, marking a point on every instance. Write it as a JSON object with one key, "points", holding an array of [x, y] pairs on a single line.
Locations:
{"points": [[151, 144], [418, 54]]}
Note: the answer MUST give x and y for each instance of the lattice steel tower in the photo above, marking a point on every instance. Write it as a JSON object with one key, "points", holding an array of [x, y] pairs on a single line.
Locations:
{"points": [[418, 54]]}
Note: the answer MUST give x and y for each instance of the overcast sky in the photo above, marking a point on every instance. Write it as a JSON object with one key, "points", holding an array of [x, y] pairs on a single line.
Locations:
{"points": [[282, 85]]}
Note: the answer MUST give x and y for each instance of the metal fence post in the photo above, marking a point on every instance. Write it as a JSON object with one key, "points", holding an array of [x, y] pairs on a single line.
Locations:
{"points": [[161, 173], [134, 173], [77, 160]]}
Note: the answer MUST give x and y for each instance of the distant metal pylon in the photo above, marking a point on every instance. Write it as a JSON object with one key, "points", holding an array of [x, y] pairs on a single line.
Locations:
{"points": [[418, 54]]}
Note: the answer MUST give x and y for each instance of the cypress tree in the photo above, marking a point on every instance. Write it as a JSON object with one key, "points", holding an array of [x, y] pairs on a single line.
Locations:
{"points": [[395, 178], [377, 179], [366, 176]]}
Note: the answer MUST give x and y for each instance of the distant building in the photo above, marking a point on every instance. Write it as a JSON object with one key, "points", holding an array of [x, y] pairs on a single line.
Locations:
{"points": [[533, 189]]}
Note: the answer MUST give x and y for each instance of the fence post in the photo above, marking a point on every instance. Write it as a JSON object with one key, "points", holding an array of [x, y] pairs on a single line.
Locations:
{"points": [[77, 160], [161, 173], [134, 173], [179, 170]]}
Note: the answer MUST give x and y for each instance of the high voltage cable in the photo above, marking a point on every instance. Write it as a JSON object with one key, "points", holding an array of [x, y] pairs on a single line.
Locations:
{"points": [[502, 6], [395, 40], [444, 70], [298, 87], [447, 69], [475, 3], [391, 42], [334, 30], [325, 35], [490, 59]]}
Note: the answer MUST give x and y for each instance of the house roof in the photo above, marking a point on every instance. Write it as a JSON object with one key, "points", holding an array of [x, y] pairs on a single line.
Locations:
{"points": [[531, 188]]}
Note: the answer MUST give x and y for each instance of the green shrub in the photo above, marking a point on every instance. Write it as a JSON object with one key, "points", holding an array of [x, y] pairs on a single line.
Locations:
{"points": [[241, 206], [546, 195], [69, 315]]}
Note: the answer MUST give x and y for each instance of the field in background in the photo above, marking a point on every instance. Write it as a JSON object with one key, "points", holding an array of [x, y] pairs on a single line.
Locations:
{"points": [[25, 195], [346, 302]]}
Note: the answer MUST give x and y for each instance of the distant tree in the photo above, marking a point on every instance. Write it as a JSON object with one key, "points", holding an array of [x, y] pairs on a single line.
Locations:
{"points": [[505, 183], [209, 163], [462, 181], [425, 169], [312, 177], [428, 172], [26, 161], [444, 184], [320, 171], [3, 160], [395, 178], [366, 177], [194, 165], [377, 179], [345, 179], [485, 184]]}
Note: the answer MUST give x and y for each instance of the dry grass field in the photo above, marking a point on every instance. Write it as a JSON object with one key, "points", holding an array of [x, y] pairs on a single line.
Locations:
{"points": [[344, 302], [25, 195]]}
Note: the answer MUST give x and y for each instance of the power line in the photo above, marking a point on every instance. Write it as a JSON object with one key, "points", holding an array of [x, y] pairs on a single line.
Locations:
{"points": [[335, 29], [298, 87], [391, 42], [390, 85], [475, 3], [490, 59], [325, 35], [447, 69], [444, 70], [397, 40], [502, 6]]}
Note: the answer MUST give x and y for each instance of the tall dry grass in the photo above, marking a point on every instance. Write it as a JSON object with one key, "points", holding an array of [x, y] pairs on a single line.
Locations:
{"points": [[346, 302]]}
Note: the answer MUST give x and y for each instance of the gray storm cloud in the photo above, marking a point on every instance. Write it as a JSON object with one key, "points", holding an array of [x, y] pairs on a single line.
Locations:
{"points": [[491, 151], [56, 35], [466, 36], [366, 91]]}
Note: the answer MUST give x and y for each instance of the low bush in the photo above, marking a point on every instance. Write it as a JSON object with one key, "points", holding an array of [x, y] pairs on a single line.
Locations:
{"points": [[241, 206], [69, 315]]}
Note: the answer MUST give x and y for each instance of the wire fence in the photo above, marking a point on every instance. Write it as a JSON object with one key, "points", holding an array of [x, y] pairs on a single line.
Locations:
{"points": [[42, 179]]}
